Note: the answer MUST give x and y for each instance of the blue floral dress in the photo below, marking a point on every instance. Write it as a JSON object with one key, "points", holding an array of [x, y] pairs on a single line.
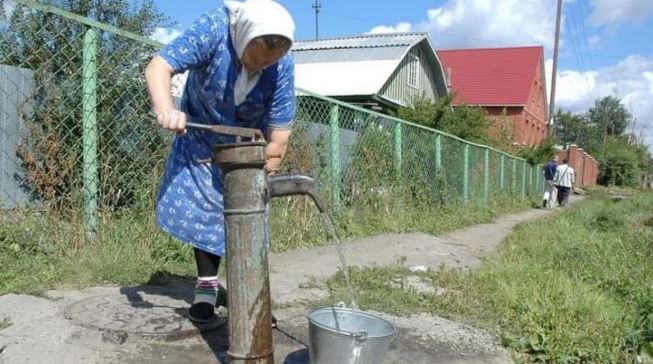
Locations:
{"points": [[189, 205]]}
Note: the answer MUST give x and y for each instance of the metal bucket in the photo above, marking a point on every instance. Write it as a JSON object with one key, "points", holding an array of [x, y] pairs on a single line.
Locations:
{"points": [[341, 335]]}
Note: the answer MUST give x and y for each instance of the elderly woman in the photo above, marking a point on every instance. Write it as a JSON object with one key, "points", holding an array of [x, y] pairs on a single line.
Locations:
{"points": [[240, 74]]}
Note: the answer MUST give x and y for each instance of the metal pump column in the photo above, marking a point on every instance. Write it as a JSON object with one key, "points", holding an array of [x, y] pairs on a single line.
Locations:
{"points": [[248, 282]]}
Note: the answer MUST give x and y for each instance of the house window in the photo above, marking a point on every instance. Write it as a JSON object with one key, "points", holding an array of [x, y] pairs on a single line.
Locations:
{"points": [[413, 71]]}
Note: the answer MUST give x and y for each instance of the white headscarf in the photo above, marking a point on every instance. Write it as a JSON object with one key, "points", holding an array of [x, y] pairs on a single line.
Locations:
{"points": [[251, 19]]}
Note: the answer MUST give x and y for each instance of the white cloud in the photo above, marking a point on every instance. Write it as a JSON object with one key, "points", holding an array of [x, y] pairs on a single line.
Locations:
{"points": [[485, 23], [606, 12], [631, 80], [474, 23], [165, 35], [649, 77], [573, 88], [401, 27]]}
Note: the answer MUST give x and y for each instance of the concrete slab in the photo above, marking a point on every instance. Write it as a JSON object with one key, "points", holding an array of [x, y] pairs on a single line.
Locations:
{"points": [[148, 312]]}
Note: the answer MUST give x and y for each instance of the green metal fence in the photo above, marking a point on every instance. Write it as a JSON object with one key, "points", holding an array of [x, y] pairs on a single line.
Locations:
{"points": [[76, 138]]}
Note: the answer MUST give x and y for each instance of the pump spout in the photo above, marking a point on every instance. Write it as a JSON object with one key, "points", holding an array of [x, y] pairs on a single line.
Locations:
{"points": [[296, 184]]}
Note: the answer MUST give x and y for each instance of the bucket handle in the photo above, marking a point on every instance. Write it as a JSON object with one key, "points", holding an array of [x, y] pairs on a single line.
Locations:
{"points": [[361, 336]]}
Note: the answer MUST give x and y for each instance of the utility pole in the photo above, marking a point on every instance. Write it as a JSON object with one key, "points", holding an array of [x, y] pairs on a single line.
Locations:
{"points": [[317, 7], [555, 67]]}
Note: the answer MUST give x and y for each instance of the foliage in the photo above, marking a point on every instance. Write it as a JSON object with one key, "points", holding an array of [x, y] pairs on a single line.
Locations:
{"points": [[371, 176], [303, 154], [464, 121], [51, 47], [572, 128], [610, 116], [421, 185], [427, 112], [602, 133], [48, 164], [539, 154], [619, 163]]}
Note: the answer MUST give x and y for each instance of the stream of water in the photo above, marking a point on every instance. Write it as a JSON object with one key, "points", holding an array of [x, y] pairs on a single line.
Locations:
{"points": [[331, 230]]}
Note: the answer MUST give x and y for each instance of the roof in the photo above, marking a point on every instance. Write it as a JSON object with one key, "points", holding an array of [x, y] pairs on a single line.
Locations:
{"points": [[492, 76], [352, 66], [362, 41]]}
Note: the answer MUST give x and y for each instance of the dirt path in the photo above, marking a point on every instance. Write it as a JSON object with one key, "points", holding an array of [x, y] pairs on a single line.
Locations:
{"points": [[147, 324], [463, 248]]}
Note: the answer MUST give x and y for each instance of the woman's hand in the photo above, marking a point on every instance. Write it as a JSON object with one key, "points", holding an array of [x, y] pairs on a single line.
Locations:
{"points": [[276, 149], [172, 119], [158, 75]]}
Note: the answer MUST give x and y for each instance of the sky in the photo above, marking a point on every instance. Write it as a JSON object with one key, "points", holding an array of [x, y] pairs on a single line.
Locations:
{"points": [[605, 45]]}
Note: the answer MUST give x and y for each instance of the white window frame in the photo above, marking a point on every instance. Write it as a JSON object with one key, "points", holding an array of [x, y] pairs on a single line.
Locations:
{"points": [[412, 73]]}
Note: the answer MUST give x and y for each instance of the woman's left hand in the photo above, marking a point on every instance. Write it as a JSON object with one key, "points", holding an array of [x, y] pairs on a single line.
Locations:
{"points": [[272, 166], [276, 149]]}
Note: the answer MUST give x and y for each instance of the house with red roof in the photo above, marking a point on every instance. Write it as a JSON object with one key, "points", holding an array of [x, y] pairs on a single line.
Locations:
{"points": [[508, 82]]}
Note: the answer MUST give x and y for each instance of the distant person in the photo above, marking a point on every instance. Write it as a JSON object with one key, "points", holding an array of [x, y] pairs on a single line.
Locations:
{"points": [[565, 178], [550, 190]]}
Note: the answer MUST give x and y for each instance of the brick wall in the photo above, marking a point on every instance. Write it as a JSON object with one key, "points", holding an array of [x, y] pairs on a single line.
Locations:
{"points": [[585, 166], [525, 128]]}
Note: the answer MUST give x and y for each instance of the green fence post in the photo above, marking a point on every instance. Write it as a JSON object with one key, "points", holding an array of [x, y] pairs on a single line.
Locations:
{"points": [[466, 174], [398, 156], [90, 134], [540, 178], [537, 179], [335, 155], [502, 161], [531, 188], [486, 174], [513, 180], [536, 188], [523, 179], [438, 153], [438, 163]]}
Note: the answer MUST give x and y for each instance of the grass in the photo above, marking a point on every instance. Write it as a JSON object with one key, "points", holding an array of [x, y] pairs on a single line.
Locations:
{"points": [[296, 224], [4, 323], [574, 288], [38, 252]]}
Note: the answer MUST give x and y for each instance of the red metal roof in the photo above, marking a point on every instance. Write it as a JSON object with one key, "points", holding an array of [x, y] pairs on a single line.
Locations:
{"points": [[491, 76]]}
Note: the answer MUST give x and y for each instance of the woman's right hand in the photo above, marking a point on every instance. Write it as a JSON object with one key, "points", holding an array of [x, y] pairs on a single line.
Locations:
{"points": [[172, 119]]}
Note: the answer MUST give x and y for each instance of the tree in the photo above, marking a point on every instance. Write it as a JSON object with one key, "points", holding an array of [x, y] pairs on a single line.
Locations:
{"points": [[468, 122], [51, 47], [600, 132], [539, 154], [464, 121], [620, 164], [576, 129], [426, 112], [609, 116]]}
